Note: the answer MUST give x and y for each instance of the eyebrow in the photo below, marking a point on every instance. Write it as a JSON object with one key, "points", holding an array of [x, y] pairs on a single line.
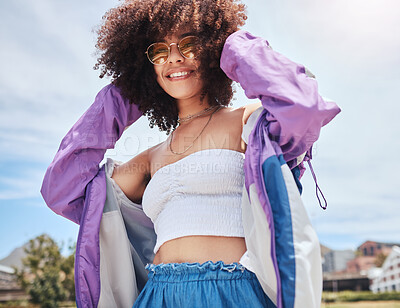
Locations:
{"points": [[185, 34]]}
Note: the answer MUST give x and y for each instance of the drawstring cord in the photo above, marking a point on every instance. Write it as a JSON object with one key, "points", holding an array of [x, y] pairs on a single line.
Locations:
{"points": [[317, 189]]}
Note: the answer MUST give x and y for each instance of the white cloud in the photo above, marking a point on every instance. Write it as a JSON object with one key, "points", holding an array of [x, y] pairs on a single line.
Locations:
{"points": [[24, 183]]}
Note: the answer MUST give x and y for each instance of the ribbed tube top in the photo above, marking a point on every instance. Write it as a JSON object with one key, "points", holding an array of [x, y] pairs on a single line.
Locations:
{"points": [[199, 194]]}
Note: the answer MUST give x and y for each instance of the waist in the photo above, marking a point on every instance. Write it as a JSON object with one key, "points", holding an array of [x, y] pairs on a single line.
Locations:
{"points": [[201, 249], [196, 271]]}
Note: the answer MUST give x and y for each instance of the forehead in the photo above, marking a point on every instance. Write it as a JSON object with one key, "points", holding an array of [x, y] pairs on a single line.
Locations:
{"points": [[177, 35]]}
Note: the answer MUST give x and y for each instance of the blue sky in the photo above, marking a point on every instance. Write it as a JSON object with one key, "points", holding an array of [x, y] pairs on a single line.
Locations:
{"points": [[352, 46]]}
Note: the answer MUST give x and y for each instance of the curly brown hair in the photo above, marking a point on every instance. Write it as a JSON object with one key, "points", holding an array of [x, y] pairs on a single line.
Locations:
{"points": [[127, 31]]}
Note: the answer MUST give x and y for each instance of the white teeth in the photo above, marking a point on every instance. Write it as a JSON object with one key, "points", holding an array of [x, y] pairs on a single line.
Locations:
{"points": [[178, 74]]}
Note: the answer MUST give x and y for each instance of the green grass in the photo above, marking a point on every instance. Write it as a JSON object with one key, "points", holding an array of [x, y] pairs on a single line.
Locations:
{"points": [[352, 296], [364, 304]]}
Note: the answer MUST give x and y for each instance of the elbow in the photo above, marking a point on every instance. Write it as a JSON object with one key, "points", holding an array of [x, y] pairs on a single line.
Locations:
{"points": [[45, 190], [55, 200]]}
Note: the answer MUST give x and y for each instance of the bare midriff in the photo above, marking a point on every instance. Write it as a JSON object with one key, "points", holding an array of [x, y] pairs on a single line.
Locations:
{"points": [[201, 249]]}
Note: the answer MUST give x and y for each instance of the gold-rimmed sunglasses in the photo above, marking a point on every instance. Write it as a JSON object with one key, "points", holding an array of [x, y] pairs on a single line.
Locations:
{"points": [[159, 53]]}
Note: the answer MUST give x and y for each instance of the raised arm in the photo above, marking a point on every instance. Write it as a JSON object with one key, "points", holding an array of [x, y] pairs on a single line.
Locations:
{"points": [[82, 149], [295, 110]]}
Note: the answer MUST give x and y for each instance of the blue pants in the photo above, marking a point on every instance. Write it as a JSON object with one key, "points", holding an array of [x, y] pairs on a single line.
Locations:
{"points": [[204, 285]]}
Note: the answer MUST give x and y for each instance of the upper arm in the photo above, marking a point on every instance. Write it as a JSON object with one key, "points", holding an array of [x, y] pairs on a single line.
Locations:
{"points": [[132, 177], [248, 110]]}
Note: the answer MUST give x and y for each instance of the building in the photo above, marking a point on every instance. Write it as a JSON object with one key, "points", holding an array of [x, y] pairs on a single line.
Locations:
{"points": [[9, 289], [360, 265], [372, 249], [335, 282], [368, 253], [389, 277], [336, 260]]}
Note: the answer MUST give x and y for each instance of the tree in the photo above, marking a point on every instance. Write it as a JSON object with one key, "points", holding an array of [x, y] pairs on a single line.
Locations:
{"points": [[47, 276], [67, 268], [380, 259]]}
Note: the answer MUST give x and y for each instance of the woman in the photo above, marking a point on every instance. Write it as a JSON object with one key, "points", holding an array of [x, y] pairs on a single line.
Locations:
{"points": [[182, 207]]}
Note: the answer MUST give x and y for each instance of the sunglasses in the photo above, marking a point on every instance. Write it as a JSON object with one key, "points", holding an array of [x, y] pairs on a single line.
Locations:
{"points": [[159, 53]]}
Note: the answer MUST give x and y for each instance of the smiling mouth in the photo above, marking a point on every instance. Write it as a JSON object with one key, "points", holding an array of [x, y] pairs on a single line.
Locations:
{"points": [[179, 75]]}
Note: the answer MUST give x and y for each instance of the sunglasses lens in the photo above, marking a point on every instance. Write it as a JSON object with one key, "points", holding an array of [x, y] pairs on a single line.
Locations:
{"points": [[188, 46], [158, 53]]}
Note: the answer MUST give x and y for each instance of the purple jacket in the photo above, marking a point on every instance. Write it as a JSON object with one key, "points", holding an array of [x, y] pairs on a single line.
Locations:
{"points": [[282, 248]]}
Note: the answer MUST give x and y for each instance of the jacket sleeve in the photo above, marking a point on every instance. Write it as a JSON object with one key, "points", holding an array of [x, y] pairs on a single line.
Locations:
{"points": [[82, 149], [294, 110]]}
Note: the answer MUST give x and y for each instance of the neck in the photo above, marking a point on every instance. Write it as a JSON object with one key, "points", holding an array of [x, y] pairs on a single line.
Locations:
{"points": [[191, 106]]}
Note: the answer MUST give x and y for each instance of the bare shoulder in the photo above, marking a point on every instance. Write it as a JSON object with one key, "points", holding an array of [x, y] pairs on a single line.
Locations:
{"points": [[132, 177], [138, 163], [245, 111], [240, 116]]}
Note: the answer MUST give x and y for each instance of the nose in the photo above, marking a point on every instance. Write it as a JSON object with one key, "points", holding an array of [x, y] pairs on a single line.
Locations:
{"points": [[175, 55]]}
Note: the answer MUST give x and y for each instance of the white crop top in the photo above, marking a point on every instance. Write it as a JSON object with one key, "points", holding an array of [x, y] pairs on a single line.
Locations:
{"points": [[199, 194]]}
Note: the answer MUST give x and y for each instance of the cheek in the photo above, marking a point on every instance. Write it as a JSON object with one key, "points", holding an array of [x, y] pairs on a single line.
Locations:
{"points": [[199, 80], [198, 76], [158, 72]]}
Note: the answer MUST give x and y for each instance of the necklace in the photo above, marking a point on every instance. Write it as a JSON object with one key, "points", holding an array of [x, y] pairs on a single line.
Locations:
{"points": [[172, 135], [192, 116]]}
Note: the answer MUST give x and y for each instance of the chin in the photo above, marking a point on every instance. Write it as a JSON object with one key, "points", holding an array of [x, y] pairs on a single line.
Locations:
{"points": [[182, 94], [183, 91]]}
